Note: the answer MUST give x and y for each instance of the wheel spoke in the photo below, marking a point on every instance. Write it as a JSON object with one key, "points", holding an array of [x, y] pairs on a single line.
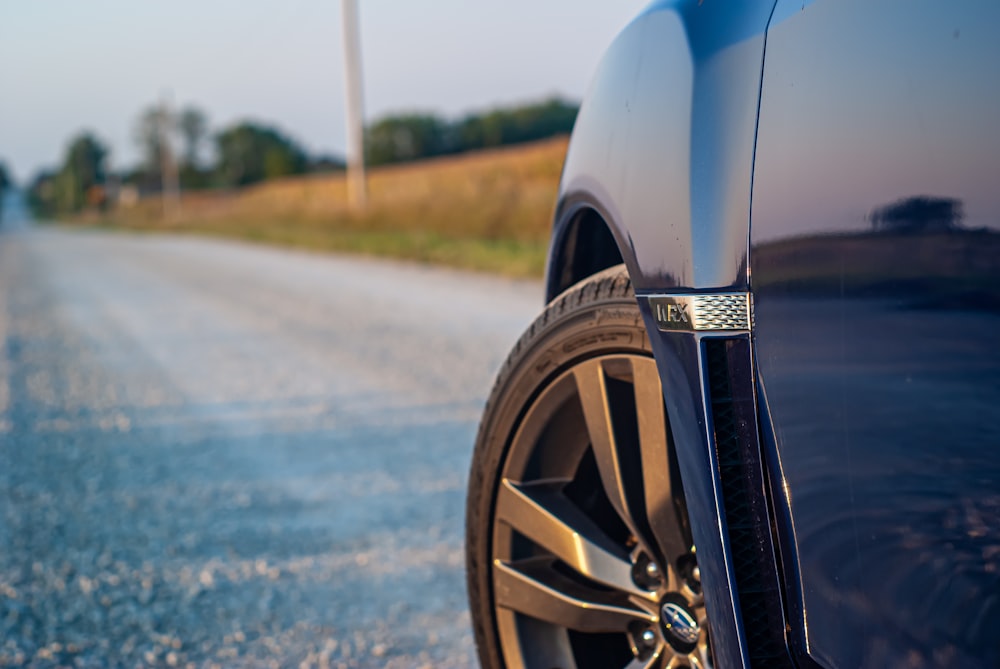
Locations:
{"points": [[592, 389], [661, 511], [543, 514], [651, 662], [533, 588]]}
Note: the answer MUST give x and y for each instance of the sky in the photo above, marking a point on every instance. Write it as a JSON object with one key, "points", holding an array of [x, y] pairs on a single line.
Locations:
{"points": [[68, 66]]}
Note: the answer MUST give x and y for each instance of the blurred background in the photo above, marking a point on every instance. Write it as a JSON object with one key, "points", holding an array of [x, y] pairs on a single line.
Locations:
{"points": [[237, 403], [108, 104]]}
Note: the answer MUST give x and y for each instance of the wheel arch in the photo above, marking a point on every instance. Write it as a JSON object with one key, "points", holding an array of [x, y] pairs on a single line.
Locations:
{"points": [[583, 244]]}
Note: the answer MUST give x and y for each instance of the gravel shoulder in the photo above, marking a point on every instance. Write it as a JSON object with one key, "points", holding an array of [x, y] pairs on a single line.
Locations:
{"points": [[220, 454]]}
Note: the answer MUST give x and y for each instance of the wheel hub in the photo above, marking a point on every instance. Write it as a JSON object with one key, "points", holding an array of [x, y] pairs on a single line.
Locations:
{"points": [[679, 625]]}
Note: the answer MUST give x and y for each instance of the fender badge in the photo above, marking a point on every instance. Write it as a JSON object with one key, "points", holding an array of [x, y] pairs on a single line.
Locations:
{"points": [[711, 312]]}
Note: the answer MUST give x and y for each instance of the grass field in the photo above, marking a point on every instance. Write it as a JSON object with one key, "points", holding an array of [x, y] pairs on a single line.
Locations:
{"points": [[488, 211]]}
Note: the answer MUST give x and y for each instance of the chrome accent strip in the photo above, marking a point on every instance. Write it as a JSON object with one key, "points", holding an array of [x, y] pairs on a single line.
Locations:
{"points": [[719, 312]]}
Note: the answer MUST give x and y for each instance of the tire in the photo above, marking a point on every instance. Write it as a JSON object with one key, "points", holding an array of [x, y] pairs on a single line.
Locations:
{"points": [[578, 547]]}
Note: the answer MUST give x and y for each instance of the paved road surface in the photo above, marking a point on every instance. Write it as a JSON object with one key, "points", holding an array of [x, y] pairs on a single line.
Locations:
{"points": [[214, 453]]}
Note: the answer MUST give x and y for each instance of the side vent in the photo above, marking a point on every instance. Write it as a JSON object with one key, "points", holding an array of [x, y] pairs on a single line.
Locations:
{"points": [[734, 419]]}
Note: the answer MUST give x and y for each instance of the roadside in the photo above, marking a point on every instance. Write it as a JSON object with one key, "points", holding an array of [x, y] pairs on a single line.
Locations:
{"points": [[488, 211]]}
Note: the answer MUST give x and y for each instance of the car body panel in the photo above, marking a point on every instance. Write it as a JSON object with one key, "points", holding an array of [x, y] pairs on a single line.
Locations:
{"points": [[676, 200], [878, 324]]}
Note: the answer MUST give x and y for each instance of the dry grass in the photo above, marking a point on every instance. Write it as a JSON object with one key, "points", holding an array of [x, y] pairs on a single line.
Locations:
{"points": [[489, 211]]}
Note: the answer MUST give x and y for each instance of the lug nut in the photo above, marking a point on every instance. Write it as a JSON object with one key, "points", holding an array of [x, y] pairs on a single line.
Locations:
{"points": [[646, 573], [648, 638]]}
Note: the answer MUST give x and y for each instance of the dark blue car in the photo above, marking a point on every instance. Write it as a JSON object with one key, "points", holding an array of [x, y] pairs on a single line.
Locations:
{"points": [[758, 423]]}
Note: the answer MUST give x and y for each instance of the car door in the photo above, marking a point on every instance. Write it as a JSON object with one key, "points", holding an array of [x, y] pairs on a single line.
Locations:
{"points": [[875, 258]]}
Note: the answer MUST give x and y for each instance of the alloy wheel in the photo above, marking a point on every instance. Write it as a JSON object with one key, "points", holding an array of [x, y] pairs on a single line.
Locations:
{"points": [[592, 559]]}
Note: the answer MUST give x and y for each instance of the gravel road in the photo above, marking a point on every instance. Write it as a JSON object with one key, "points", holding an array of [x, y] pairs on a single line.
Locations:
{"points": [[217, 454]]}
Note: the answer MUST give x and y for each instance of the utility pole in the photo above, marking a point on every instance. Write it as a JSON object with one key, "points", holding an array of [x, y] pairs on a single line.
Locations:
{"points": [[168, 166], [357, 188]]}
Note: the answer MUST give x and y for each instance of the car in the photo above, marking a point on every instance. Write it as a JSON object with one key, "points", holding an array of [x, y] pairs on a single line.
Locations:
{"points": [[758, 422]]}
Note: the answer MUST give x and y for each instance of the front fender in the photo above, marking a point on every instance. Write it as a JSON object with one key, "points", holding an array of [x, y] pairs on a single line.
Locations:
{"points": [[663, 145]]}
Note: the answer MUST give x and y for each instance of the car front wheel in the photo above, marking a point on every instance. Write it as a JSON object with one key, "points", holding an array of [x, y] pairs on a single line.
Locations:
{"points": [[578, 546]]}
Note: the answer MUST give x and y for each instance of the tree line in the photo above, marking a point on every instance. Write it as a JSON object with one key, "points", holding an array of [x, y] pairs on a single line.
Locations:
{"points": [[400, 138], [179, 149], [173, 148]]}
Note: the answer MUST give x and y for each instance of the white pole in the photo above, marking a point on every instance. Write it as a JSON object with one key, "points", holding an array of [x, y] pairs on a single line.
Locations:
{"points": [[357, 188], [168, 166]]}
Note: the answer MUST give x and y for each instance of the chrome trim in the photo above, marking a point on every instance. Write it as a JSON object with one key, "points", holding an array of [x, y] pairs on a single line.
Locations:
{"points": [[718, 312]]}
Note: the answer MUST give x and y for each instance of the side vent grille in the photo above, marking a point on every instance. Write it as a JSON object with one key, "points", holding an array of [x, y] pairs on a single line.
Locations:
{"points": [[745, 505]]}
